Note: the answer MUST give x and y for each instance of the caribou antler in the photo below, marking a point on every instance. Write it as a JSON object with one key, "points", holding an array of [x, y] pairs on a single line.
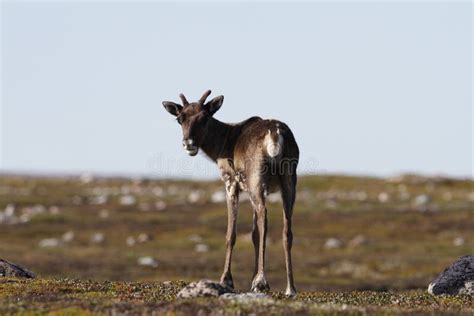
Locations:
{"points": [[204, 96], [183, 98]]}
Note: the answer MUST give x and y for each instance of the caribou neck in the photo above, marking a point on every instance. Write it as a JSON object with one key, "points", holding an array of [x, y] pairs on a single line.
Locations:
{"points": [[218, 142]]}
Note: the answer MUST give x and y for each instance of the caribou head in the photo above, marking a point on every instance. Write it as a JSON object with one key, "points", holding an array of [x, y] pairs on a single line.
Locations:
{"points": [[194, 118]]}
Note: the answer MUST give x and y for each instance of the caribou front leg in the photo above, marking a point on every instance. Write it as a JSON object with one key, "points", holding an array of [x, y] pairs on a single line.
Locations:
{"points": [[232, 194]]}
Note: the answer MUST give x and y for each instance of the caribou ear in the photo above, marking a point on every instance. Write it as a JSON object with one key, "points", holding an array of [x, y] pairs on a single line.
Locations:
{"points": [[215, 104], [172, 108]]}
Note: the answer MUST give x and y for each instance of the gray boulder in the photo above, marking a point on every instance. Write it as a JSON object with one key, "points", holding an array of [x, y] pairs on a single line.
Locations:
{"points": [[456, 279], [8, 269], [204, 288]]}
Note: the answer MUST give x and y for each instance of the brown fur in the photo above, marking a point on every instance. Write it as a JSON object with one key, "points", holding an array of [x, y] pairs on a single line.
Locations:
{"points": [[258, 156]]}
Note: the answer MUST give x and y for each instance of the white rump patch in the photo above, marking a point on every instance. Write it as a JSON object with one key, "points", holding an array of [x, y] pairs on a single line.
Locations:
{"points": [[274, 148]]}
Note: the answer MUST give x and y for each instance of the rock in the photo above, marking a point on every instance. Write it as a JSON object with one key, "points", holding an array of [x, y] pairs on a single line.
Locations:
{"points": [[98, 238], [383, 197], [68, 236], [50, 243], [357, 241], [127, 200], [333, 243], [422, 200], [246, 297], [148, 262], [160, 206], [204, 288], [143, 238], [456, 279], [201, 248], [195, 238], [458, 241], [8, 269], [131, 241], [218, 197], [104, 214]]}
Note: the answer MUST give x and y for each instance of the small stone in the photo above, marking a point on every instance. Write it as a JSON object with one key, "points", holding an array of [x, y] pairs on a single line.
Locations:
{"points": [[160, 206], [54, 210], [148, 262], [142, 238], [383, 197], [98, 238], [68, 236], [104, 214], [332, 243], [357, 241], [201, 248], [246, 297], [194, 197], [195, 238], [50, 243], [86, 178], [204, 288], [274, 197], [9, 210], [127, 200], [458, 241], [131, 241], [422, 200], [218, 197]]}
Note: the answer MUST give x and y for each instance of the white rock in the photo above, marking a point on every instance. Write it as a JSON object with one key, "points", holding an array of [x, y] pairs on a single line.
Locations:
{"points": [[142, 238], [357, 241], [195, 238], [127, 200], [104, 213], [383, 197], [332, 243], [130, 241], [50, 243], [459, 241], [68, 236], [201, 248], [218, 197], [54, 210], [194, 197], [98, 238], [148, 262], [86, 178], [422, 200], [274, 197], [9, 210], [160, 206]]}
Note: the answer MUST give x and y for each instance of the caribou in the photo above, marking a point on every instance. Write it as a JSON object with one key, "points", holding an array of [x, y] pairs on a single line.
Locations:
{"points": [[259, 156]]}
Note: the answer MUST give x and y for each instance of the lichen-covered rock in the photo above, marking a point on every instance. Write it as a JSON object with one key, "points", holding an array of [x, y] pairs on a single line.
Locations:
{"points": [[204, 288], [247, 297], [8, 269], [456, 279]]}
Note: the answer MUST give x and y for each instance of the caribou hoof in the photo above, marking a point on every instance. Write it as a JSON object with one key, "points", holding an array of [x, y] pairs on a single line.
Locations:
{"points": [[226, 279], [260, 284], [290, 292]]}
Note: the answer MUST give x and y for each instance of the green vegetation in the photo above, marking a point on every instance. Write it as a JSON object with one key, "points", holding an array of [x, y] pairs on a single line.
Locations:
{"points": [[74, 297], [393, 236]]}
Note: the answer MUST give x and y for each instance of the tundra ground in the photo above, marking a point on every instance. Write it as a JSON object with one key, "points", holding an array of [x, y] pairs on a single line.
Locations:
{"points": [[384, 238]]}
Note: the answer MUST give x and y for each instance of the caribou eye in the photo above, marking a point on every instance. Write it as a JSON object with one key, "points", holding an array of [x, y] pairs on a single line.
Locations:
{"points": [[180, 119]]}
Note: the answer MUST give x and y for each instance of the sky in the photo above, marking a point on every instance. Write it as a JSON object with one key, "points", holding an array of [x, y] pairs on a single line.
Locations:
{"points": [[371, 88]]}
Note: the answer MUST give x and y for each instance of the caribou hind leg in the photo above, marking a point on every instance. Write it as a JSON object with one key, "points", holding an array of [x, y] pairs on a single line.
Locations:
{"points": [[288, 194]]}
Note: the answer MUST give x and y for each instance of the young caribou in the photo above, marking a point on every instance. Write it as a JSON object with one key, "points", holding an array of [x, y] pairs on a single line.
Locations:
{"points": [[258, 156]]}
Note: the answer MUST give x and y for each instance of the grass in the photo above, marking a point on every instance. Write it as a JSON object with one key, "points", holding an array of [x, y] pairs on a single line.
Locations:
{"points": [[409, 229], [76, 297]]}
